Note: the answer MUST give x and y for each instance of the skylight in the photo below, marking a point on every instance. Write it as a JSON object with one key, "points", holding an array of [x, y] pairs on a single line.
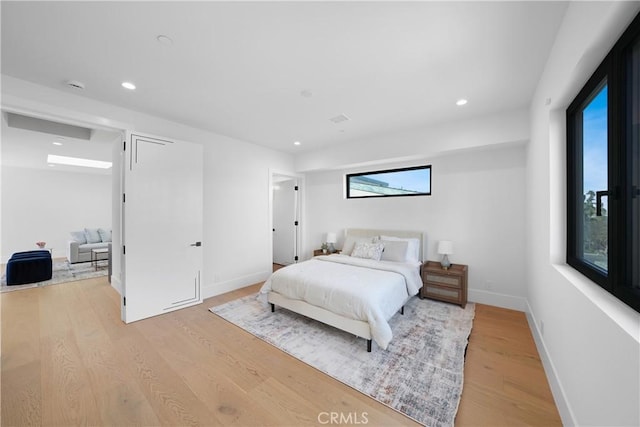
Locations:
{"points": [[77, 161]]}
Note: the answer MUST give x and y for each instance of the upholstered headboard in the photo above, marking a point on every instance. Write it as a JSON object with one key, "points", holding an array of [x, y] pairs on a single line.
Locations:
{"points": [[371, 232]]}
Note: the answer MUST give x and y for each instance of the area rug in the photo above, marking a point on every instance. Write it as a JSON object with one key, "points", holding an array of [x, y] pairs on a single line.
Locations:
{"points": [[419, 375], [62, 272]]}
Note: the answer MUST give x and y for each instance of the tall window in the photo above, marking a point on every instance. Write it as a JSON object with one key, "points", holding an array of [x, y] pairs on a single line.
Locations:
{"points": [[603, 170]]}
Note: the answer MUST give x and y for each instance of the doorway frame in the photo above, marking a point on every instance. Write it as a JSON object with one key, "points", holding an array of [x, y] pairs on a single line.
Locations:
{"points": [[301, 211], [77, 118]]}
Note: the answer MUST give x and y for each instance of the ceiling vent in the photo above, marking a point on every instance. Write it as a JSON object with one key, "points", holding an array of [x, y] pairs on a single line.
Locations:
{"points": [[340, 118], [74, 84]]}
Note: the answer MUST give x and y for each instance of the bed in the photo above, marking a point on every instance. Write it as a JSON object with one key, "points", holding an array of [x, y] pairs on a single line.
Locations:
{"points": [[358, 290]]}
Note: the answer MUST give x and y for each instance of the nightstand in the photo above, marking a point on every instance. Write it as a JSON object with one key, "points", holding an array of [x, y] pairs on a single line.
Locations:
{"points": [[444, 285], [317, 252]]}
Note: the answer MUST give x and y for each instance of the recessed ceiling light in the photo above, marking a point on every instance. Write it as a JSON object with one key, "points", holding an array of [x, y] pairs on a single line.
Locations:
{"points": [[306, 94], [57, 143], [164, 40], [296, 143], [77, 161], [128, 85], [461, 102]]}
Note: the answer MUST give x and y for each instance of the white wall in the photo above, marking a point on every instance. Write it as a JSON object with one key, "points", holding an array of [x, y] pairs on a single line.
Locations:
{"points": [[237, 233], [46, 205], [237, 218], [590, 342], [477, 202]]}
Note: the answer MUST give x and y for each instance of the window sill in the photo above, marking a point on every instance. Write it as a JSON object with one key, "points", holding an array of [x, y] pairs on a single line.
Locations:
{"points": [[623, 315]]}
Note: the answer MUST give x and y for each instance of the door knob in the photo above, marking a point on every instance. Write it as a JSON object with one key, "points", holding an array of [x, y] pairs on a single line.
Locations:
{"points": [[196, 244]]}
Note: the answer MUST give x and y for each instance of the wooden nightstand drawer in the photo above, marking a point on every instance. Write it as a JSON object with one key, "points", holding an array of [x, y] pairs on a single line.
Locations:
{"points": [[444, 280], [442, 292], [444, 285]]}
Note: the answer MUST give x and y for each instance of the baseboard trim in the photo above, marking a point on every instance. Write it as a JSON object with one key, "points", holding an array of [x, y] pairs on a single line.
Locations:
{"points": [[497, 300], [115, 284], [213, 289], [559, 396]]}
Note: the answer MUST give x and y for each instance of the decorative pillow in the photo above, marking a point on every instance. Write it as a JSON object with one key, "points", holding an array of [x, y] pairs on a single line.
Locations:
{"points": [[368, 250], [413, 250], [105, 235], [92, 235], [350, 242], [79, 237], [394, 250]]}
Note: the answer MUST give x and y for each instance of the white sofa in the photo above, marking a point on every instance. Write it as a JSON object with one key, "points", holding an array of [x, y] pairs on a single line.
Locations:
{"points": [[79, 249]]}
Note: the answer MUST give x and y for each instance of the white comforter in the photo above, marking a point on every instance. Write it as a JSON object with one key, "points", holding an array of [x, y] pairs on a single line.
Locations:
{"points": [[361, 289]]}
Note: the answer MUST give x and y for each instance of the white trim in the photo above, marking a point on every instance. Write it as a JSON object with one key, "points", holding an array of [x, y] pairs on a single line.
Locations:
{"points": [[497, 300], [115, 284], [559, 396], [300, 182], [212, 289]]}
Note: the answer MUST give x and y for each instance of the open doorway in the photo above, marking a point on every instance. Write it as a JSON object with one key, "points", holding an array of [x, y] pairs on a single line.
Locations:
{"points": [[285, 213], [44, 201]]}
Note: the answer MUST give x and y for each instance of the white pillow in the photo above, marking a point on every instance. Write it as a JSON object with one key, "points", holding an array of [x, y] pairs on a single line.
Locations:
{"points": [[413, 250], [92, 235], [394, 250], [350, 242], [368, 250], [105, 235], [79, 237]]}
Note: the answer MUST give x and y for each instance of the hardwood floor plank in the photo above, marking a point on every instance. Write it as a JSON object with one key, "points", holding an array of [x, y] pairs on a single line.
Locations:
{"points": [[65, 386], [172, 400], [119, 401], [68, 399], [21, 395], [280, 401], [22, 335], [68, 359]]}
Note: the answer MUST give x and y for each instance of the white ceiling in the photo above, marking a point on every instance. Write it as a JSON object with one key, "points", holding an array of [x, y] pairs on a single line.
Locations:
{"points": [[239, 68]]}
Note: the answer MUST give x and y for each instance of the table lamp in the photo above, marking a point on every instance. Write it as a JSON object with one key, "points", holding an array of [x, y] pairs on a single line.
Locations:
{"points": [[331, 239], [445, 248]]}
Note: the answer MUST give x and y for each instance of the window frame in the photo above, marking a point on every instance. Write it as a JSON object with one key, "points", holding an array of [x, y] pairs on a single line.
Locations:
{"points": [[617, 279], [351, 175]]}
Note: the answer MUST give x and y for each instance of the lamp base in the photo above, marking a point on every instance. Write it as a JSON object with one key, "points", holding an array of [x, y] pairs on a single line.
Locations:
{"points": [[445, 262], [332, 248]]}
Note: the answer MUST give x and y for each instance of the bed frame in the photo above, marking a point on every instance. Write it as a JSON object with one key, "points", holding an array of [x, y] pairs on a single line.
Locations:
{"points": [[359, 328]]}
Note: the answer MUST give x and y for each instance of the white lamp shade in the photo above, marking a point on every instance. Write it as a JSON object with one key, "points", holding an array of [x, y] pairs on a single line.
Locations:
{"points": [[445, 247], [331, 237]]}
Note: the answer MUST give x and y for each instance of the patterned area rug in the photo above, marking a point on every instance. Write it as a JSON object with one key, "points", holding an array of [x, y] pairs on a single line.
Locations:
{"points": [[62, 272], [419, 375]]}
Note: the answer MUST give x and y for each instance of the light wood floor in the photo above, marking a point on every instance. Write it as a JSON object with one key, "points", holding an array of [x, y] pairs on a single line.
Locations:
{"points": [[67, 359]]}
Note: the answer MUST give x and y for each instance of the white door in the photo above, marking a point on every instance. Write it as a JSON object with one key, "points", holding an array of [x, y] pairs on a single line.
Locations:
{"points": [[161, 226], [284, 220]]}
